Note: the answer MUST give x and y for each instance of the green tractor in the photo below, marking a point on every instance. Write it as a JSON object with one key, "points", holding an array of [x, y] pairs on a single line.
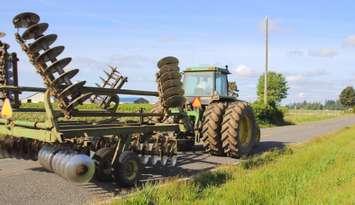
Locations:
{"points": [[215, 118]]}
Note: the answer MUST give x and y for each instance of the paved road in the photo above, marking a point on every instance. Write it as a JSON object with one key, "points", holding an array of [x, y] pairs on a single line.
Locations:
{"points": [[25, 182]]}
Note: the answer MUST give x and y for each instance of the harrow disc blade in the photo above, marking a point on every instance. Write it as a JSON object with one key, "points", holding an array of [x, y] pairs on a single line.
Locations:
{"points": [[58, 65], [34, 31], [155, 159], [73, 88], [26, 19], [67, 75], [43, 43], [79, 100], [2, 34], [145, 159], [164, 160], [173, 160], [50, 54]]}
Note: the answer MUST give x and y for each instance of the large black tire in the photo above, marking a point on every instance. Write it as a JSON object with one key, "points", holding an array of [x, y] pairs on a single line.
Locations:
{"points": [[128, 170], [103, 168], [211, 128], [171, 93], [169, 60], [239, 129]]}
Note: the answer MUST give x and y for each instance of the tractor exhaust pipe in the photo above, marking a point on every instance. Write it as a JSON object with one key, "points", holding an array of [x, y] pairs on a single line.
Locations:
{"points": [[67, 164]]}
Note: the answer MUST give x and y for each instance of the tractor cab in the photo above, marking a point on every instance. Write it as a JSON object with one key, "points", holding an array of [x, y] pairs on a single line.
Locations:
{"points": [[206, 83]]}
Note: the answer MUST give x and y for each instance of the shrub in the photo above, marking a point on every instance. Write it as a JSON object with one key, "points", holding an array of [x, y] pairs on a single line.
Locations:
{"points": [[268, 114]]}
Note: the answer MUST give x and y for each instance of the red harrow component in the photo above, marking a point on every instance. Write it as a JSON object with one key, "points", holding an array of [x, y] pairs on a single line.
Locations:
{"points": [[114, 80], [44, 58], [8, 73]]}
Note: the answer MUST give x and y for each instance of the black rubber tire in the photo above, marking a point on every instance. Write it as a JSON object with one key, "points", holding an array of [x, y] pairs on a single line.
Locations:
{"points": [[167, 60], [164, 77], [103, 168], [169, 68], [211, 128], [172, 91], [174, 101], [171, 83], [123, 168], [234, 115]]}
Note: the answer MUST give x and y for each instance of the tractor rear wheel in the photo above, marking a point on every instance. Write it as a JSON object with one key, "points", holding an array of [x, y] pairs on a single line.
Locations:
{"points": [[211, 128], [239, 129]]}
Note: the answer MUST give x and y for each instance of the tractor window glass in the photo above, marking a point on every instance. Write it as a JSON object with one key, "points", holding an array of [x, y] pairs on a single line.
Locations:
{"points": [[198, 83], [221, 84]]}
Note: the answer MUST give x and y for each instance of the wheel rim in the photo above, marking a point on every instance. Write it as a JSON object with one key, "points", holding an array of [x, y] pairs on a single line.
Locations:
{"points": [[244, 131], [132, 169]]}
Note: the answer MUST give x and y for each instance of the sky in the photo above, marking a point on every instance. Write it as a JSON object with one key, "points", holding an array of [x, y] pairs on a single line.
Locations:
{"points": [[312, 43]]}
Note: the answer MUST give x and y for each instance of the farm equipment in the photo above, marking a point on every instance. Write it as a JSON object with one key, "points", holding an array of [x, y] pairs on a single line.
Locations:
{"points": [[78, 144]]}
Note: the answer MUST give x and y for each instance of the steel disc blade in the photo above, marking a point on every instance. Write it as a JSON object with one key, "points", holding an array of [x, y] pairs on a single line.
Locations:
{"points": [[2, 34], [155, 159], [57, 65], [146, 159], [73, 88], [50, 54], [79, 100], [34, 31], [43, 43], [79, 168], [173, 160], [67, 75], [26, 19], [164, 160]]}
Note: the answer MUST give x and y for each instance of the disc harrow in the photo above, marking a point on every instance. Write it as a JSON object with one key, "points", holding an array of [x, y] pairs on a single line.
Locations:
{"points": [[8, 73], [45, 59], [114, 80], [161, 149]]}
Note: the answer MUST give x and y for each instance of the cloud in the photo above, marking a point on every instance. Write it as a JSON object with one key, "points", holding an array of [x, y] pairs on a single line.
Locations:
{"points": [[349, 41], [316, 72], [244, 71], [323, 52], [130, 61], [295, 78], [296, 53], [301, 95]]}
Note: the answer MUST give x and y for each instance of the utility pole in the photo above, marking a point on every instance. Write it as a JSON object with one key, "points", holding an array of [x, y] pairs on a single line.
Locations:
{"points": [[266, 58]]}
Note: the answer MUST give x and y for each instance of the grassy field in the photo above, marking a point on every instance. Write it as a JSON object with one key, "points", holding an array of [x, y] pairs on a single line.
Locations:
{"points": [[303, 116], [319, 172]]}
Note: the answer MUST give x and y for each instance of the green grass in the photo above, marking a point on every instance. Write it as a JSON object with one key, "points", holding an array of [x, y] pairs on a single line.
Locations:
{"points": [[40, 116], [319, 172], [304, 116]]}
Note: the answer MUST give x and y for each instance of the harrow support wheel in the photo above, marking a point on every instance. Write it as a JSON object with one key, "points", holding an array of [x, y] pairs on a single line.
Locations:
{"points": [[128, 169], [103, 168], [211, 127], [239, 129]]}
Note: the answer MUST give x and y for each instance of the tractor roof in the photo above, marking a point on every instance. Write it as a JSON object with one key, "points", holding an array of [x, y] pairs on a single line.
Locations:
{"points": [[207, 68]]}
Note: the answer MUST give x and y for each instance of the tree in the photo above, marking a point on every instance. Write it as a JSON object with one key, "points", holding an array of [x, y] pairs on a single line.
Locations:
{"points": [[277, 87], [347, 96]]}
